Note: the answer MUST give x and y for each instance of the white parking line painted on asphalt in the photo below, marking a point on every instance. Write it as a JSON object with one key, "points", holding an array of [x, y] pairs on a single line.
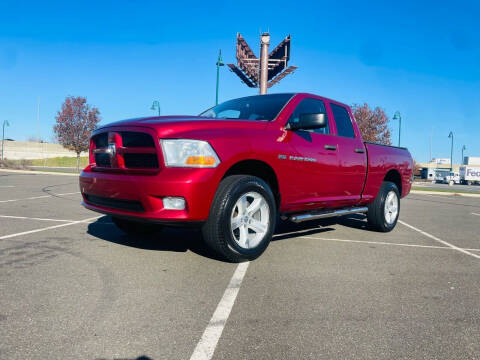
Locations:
{"points": [[475, 214], [39, 197], [439, 240], [6, 186], [383, 243], [33, 218], [209, 340], [48, 228], [298, 232]]}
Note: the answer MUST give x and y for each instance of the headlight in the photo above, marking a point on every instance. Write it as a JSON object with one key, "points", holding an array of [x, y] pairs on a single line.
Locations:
{"points": [[188, 153]]}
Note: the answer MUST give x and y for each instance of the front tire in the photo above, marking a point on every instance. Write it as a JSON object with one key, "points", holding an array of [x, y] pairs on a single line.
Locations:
{"points": [[384, 211], [242, 218], [132, 227]]}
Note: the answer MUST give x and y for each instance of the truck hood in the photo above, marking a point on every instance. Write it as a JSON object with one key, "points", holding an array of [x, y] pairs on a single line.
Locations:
{"points": [[175, 125]]}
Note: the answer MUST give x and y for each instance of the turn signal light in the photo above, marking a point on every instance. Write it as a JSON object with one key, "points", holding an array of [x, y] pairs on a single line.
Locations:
{"points": [[200, 160]]}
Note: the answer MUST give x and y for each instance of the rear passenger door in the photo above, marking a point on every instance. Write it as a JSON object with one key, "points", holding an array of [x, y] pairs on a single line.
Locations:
{"points": [[352, 157], [313, 158]]}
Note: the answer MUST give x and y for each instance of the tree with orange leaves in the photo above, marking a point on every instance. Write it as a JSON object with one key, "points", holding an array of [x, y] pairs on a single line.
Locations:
{"points": [[75, 123], [373, 123]]}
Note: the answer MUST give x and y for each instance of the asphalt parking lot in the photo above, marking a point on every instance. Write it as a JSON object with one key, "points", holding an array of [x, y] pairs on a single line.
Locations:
{"points": [[74, 287]]}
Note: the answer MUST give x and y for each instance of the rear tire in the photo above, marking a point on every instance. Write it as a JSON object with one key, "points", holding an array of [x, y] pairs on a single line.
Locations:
{"points": [[384, 211], [132, 227], [242, 218]]}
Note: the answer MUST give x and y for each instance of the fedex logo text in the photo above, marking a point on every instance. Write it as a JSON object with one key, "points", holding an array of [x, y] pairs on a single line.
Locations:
{"points": [[473, 172]]}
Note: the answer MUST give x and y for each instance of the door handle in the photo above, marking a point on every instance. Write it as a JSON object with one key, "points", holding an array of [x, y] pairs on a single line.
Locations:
{"points": [[359, 151], [330, 147]]}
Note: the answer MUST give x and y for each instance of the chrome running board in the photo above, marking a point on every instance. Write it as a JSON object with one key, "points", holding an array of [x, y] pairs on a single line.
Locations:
{"points": [[326, 214]]}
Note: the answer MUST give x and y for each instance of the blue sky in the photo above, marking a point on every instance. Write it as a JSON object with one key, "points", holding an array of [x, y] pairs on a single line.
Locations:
{"points": [[421, 58]]}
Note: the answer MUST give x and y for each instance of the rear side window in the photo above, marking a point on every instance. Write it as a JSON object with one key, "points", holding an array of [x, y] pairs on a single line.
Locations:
{"points": [[343, 121], [310, 106]]}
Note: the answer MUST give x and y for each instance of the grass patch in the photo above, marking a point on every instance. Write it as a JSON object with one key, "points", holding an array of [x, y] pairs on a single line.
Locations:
{"points": [[61, 162], [453, 190]]}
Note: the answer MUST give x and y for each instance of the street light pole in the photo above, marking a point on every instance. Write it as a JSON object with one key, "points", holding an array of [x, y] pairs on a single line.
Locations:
{"points": [[451, 151], [5, 122], [219, 63], [398, 117], [463, 148], [156, 105]]}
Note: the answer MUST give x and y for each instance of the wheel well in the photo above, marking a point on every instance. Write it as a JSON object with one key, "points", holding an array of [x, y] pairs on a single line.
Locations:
{"points": [[394, 176], [259, 169]]}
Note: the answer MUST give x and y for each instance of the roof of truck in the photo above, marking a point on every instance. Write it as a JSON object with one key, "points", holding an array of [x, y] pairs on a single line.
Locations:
{"points": [[303, 94]]}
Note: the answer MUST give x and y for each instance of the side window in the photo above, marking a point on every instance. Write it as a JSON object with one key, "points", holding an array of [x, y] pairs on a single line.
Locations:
{"points": [[310, 106], [343, 121]]}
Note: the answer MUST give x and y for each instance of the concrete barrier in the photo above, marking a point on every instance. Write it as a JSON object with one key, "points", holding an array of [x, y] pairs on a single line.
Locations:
{"points": [[18, 150]]}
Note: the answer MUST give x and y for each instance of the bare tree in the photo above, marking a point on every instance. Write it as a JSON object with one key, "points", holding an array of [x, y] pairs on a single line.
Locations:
{"points": [[373, 123], [75, 123]]}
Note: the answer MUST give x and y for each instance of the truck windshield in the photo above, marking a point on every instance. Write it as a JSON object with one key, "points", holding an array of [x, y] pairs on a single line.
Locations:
{"points": [[259, 107]]}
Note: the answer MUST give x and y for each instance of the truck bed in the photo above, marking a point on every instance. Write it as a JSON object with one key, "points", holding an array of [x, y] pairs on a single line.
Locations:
{"points": [[381, 160]]}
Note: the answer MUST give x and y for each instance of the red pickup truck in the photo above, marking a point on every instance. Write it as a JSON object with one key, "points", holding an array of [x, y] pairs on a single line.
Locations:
{"points": [[240, 167]]}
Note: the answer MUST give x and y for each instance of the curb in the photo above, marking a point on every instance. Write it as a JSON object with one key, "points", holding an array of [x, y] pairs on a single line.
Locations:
{"points": [[33, 172], [443, 193], [52, 167]]}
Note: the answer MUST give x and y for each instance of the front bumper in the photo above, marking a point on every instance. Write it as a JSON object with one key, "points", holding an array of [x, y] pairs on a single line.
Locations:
{"points": [[140, 196]]}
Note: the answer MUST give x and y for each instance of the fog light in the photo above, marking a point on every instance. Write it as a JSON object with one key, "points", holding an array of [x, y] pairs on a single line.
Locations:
{"points": [[174, 203]]}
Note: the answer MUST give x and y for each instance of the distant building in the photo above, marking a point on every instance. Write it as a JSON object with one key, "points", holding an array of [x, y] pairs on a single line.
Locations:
{"points": [[438, 165], [441, 161], [471, 160], [436, 168]]}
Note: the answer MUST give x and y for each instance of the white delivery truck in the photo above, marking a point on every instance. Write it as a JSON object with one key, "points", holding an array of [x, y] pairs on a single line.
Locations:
{"points": [[440, 175], [470, 175], [452, 178]]}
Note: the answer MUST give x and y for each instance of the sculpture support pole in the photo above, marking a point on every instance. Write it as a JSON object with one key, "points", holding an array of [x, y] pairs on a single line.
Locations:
{"points": [[264, 43]]}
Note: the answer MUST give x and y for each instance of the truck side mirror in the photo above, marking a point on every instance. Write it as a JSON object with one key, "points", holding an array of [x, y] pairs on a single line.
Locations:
{"points": [[309, 121]]}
